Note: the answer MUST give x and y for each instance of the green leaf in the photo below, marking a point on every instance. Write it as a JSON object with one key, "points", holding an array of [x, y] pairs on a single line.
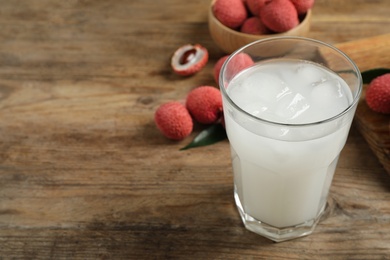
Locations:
{"points": [[208, 136], [369, 75]]}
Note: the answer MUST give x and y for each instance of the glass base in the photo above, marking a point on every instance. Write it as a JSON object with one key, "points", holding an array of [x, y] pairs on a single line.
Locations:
{"points": [[274, 233]]}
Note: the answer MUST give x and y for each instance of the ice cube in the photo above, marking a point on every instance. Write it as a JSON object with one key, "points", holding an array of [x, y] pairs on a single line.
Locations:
{"points": [[257, 93], [291, 107], [327, 92], [256, 108], [310, 75], [329, 98], [268, 87]]}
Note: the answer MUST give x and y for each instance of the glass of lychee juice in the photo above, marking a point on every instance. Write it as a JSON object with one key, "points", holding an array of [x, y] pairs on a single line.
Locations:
{"points": [[288, 106]]}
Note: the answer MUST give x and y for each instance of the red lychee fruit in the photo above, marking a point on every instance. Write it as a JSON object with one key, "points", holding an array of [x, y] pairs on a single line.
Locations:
{"points": [[378, 94], [231, 13], [254, 6], [205, 104], [189, 59], [303, 6], [238, 63], [217, 68], [279, 15], [254, 25], [173, 120]]}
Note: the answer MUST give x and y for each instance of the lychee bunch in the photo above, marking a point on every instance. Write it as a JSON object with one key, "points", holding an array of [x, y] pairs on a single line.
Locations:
{"points": [[175, 120], [378, 94], [273, 16]]}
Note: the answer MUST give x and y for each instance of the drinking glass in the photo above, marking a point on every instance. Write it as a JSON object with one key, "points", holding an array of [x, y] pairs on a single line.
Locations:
{"points": [[283, 171]]}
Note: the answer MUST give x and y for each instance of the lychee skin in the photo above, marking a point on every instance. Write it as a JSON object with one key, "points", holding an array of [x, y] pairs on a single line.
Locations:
{"points": [[173, 120], [217, 68], [279, 15], [378, 94], [254, 25], [254, 6], [303, 6], [231, 13], [238, 63], [205, 104]]}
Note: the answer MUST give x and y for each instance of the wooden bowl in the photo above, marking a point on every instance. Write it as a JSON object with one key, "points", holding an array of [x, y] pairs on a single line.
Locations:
{"points": [[230, 40]]}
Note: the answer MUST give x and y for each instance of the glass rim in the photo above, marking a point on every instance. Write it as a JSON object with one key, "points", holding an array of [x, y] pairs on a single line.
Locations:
{"points": [[355, 100]]}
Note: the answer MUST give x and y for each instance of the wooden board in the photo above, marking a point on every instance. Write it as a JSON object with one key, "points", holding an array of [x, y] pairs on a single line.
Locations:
{"points": [[372, 53]]}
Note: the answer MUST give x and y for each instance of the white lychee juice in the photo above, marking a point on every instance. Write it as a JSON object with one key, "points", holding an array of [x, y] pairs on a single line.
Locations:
{"points": [[287, 122]]}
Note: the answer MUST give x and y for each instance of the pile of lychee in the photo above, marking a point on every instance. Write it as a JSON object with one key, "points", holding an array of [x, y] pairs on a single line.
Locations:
{"points": [[203, 104], [261, 16], [175, 119]]}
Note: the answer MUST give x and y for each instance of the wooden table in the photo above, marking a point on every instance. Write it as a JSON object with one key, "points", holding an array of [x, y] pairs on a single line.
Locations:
{"points": [[84, 173]]}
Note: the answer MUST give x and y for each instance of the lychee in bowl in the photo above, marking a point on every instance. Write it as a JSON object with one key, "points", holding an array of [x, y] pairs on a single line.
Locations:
{"points": [[230, 40]]}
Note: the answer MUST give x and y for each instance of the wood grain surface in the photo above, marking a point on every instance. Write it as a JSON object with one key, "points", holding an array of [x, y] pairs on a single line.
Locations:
{"points": [[85, 174], [371, 53]]}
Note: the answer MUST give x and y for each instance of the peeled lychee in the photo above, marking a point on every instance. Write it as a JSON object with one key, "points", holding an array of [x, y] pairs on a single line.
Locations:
{"points": [[173, 120], [303, 6], [205, 104], [279, 15], [254, 6], [231, 13], [254, 25], [378, 94], [189, 59]]}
